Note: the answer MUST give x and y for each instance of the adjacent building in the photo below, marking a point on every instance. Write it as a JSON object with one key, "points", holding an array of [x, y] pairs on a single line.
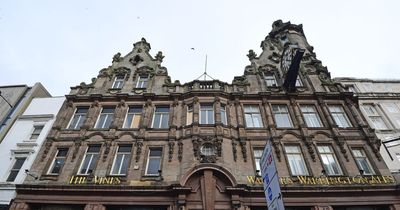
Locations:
{"points": [[13, 101], [134, 139], [379, 101], [20, 146]]}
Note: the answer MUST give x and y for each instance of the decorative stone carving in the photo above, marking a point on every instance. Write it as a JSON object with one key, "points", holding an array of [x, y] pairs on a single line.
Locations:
{"points": [[341, 142], [207, 148], [180, 150], [234, 150], [171, 146], [275, 144], [309, 144], [47, 147], [136, 60], [159, 57], [252, 55], [240, 80], [77, 145], [107, 145], [117, 58], [122, 71], [138, 145], [244, 151]]}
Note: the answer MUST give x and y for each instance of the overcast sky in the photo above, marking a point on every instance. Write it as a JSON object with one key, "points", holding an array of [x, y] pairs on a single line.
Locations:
{"points": [[62, 43]]}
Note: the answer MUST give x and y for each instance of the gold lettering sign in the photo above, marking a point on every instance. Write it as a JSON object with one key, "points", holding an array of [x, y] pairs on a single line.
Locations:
{"points": [[342, 180], [110, 180]]}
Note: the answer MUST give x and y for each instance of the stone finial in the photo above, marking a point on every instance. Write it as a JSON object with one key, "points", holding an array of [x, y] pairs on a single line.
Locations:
{"points": [[252, 55], [142, 45], [117, 58], [159, 56]]}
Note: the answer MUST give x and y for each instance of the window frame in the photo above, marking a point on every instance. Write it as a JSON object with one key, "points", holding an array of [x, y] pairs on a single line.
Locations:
{"points": [[134, 115], [90, 161], [366, 158], [253, 115], [51, 167], [315, 112], [257, 159], [268, 77], [224, 117], [373, 114], [344, 113], [301, 155], [36, 135], [157, 157], [207, 108], [124, 158], [162, 115], [24, 156], [121, 81], [334, 156], [80, 117], [279, 112], [105, 120], [143, 81]]}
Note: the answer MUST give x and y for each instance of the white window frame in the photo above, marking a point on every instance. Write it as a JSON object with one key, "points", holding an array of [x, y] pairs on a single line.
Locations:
{"points": [[80, 121], [134, 116], [92, 154], [224, 118], [311, 116], [253, 112], [338, 115], [270, 80], [207, 108], [36, 132], [126, 156], [257, 153], [143, 81], [365, 158], [119, 81], [374, 117], [283, 113], [17, 155], [154, 157], [162, 114], [296, 162], [329, 156], [97, 126], [49, 171]]}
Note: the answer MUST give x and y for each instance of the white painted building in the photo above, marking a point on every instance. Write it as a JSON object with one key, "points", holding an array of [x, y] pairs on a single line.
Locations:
{"points": [[19, 148], [379, 101]]}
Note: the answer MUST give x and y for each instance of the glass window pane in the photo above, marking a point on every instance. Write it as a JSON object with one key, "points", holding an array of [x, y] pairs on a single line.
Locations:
{"points": [[153, 166], [117, 163], [329, 161]]}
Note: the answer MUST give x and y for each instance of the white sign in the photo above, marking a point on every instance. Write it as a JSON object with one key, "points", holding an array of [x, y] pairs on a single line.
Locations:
{"points": [[269, 174]]}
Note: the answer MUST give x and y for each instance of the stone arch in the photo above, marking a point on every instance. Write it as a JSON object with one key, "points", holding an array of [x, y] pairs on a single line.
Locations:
{"points": [[209, 187], [220, 171]]}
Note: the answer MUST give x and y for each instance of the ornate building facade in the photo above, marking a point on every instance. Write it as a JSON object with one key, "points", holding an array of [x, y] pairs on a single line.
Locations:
{"points": [[133, 139], [380, 104]]}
